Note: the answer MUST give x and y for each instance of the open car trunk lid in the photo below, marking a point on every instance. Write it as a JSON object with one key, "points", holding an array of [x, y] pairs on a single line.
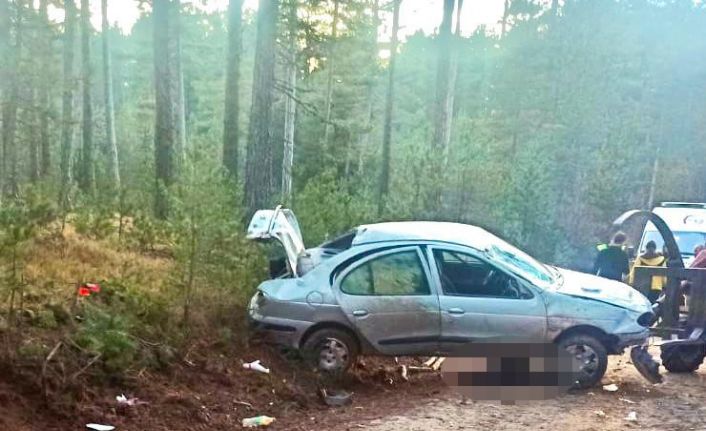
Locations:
{"points": [[280, 224]]}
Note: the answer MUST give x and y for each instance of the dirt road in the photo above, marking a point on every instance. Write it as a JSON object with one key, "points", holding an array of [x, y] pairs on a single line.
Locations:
{"points": [[677, 404]]}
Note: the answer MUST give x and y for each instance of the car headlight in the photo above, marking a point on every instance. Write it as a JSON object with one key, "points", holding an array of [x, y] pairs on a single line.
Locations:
{"points": [[647, 319]]}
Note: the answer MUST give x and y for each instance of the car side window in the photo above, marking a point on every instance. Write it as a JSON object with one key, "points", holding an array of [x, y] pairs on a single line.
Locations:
{"points": [[398, 273], [464, 275]]}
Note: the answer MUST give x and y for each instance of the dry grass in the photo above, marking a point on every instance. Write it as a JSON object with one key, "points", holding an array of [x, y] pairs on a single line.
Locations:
{"points": [[64, 259]]}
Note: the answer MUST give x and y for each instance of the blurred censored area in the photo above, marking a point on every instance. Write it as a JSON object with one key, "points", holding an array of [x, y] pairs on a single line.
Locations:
{"points": [[510, 372]]}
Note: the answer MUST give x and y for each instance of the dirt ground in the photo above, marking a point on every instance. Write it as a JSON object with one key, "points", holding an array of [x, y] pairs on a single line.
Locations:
{"points": [[210, 396], [677, 404]]}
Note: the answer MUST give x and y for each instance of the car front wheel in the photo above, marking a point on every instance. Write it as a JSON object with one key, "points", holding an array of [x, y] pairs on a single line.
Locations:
{"points": [[330, 350], [591, 358]]}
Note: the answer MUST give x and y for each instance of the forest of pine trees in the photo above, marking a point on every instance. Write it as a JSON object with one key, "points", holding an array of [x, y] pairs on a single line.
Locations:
{"points": [[541, 128]]}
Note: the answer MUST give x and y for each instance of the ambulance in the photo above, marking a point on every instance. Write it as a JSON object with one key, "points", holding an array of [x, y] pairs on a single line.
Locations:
{"points": [[687, 221]]}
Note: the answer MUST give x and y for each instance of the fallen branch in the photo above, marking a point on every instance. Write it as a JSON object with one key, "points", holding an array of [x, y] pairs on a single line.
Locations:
{"points": [[85, 367], [44, 369]]}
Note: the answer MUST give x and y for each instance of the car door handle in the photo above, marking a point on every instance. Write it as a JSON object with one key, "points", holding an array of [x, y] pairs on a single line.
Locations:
{"points": [[360, 313], [456, 311]]}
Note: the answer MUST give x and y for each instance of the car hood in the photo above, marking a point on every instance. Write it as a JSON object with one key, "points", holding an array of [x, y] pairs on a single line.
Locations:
{"points": [[601, 289]]}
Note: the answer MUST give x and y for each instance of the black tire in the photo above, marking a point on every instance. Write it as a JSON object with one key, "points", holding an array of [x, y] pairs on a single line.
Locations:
{"points": [[682, 358], [330, 350], [586, 348]]}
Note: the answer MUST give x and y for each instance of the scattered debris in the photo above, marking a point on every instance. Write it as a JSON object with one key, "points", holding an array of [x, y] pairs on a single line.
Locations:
{"points": [[257, 421], [99, 427], [243, 403], [403, 372], [625, 400], [632, 417], [132, 401], [335, 398], [611, 387], [645, 364], [600, 413], [256, 366], [437, 364]]}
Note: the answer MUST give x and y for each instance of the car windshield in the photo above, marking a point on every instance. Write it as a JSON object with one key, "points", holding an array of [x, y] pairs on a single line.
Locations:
{"points": [[522, 264], [686, 241]]}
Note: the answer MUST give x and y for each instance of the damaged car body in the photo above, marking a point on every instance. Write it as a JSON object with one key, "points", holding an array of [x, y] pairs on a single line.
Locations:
{"points": [[424, 288]]}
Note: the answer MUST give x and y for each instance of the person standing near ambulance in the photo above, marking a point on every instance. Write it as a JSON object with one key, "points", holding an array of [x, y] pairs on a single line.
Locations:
{"points": [[650, 258], [612, 261]]}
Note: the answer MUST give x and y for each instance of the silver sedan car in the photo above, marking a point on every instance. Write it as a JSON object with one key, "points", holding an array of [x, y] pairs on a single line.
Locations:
{"points": [[424, 288]]}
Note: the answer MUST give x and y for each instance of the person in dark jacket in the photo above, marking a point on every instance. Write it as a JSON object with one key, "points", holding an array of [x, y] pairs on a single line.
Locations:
{"points": [[612, 261]]}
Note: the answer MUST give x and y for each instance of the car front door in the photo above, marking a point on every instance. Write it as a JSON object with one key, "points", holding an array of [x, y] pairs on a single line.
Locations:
{"points": [[480, 302], [390, 301]]}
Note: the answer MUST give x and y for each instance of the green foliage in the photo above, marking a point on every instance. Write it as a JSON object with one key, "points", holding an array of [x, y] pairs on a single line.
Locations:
{"points": [[106, 333], [146, 233], [213, 258], [98, 223], [326, 208]]}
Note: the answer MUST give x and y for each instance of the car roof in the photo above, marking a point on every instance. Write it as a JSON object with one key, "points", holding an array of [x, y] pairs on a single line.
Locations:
{"points": [[456, 233]]}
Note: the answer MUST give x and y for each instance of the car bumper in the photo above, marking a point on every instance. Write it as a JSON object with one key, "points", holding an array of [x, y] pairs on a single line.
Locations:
{"points": [[631, 339], [283, 332]]}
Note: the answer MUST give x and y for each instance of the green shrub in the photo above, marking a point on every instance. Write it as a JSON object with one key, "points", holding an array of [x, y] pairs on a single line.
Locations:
{"points": [[106, 333]]}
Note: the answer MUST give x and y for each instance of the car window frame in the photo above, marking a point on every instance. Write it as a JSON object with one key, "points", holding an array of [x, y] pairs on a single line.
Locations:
{"points": [[521, 282], [378, 253]]}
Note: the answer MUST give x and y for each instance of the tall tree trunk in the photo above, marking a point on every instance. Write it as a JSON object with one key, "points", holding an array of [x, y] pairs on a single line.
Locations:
{"points": [[331, 66], [44, 83], [506, 14], [165, 134], [453, 75], [178, 82], [9, 115], [67, 116], [232, 103], [442, 107], [88, 174], [33, 166], [258, 168], [443, 81], [384, 185], [111, 146], [653, 181], [364, 137], [290, 109]]}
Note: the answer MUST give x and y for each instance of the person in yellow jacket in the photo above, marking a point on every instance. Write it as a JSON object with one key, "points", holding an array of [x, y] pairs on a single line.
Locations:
{"points": [[650, 258]]}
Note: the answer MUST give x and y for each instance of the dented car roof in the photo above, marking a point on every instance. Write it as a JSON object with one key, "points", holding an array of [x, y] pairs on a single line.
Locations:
{"points": [[456, 233]]}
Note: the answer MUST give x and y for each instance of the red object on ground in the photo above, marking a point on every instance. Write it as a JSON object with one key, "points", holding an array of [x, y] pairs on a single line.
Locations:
{"points": [[84, 291], [95, 288]]}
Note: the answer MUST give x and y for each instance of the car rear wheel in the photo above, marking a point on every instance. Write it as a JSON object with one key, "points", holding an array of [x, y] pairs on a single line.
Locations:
{"points": [[591, 357], [682, 358], [330, 350]]}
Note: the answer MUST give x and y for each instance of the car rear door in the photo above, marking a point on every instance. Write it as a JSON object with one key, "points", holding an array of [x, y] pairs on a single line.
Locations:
{"points": [[480, 302], [282, 225], [388, 298]]}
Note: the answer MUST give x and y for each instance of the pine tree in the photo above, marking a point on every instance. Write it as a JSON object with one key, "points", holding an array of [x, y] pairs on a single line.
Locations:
{"points": [[165, 133], [290, 110], [67, 117], [384, 185], [231, 129], [258, 167], [111, 140], [87, 177]]}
